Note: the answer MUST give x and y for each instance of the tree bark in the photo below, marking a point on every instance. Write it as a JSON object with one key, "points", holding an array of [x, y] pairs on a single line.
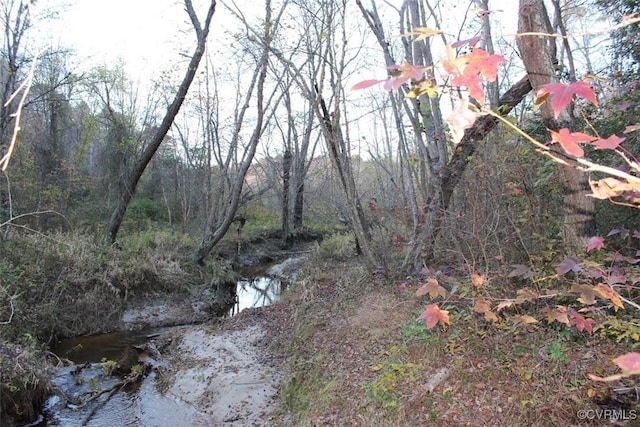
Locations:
{"points": [[286, 179], [340, 158], [539, 57], [127, 194]]}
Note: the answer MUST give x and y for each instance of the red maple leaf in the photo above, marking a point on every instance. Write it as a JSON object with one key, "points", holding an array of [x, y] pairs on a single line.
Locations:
{"points": [[432, 315], [569, 141], [563, 94], [610, 143], [595, 243], [472, 82], [481, 61], [583, 323]]}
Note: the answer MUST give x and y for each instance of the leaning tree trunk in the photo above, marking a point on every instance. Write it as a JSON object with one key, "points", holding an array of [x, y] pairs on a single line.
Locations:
{"points": [[539, 56], [167, 121], [422, 250], [340, 158]]}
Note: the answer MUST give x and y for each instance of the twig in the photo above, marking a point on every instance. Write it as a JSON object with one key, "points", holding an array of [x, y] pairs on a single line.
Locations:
{"points": [[24, 87], [630, 20], [11, 315]]}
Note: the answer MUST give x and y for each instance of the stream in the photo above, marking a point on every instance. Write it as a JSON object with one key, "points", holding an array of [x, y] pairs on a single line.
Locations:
{"points": [[84, 396]]}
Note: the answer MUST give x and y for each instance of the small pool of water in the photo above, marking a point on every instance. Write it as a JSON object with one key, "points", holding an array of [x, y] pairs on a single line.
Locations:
{"points": [[258, 291]]}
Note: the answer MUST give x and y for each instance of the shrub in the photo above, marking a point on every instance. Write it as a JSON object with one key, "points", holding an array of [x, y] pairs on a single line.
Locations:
{"points": [[337, 247]]}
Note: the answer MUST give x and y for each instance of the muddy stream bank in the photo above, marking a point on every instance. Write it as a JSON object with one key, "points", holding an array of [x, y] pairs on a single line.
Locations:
{"points": [[205, 373]]}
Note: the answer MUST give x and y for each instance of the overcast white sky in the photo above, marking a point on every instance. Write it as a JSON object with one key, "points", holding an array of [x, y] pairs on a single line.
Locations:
{"points": [[144, 31], [146, 34]]}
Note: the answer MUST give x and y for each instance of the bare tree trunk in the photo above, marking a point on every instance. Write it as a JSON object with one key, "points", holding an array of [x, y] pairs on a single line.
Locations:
{"points": [[172, 111], [219, 223], [491, 87], [286, 179], [539, 56], [341, 160]]}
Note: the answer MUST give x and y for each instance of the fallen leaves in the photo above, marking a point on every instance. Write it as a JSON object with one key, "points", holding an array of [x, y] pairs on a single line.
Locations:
{"points": [[432, 315]]}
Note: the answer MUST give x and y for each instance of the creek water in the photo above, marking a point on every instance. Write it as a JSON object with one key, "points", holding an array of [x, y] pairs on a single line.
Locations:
{"points": [[140, 404]]}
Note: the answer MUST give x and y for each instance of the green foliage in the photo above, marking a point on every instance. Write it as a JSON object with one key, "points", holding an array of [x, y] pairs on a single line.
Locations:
{"points": [[108, 367], [309, 388], [626, 44], [386, 389], [557, 353], [260, 218], [338, 247], [144, 210], [621, 330], [417, 332]]}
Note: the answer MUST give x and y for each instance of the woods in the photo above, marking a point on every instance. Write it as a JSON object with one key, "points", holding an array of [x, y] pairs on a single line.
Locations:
{"points": [[420, 139]]}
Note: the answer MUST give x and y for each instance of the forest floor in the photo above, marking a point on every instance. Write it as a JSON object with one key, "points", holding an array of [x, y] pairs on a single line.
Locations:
{"points": [[341, 348]]}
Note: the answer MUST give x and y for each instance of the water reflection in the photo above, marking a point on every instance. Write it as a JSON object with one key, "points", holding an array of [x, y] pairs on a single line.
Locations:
{"points": [[257, 292]]}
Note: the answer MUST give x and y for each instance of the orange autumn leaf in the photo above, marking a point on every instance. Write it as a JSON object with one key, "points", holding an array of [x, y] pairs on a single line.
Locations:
{"points": [[490, 316], [526, 319], [505, 304], [433, 288], [473, 84], [432, 315], [607, 292], [560, 314], [481, 305], [480, 61], [607, 188], [478, 280]]}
